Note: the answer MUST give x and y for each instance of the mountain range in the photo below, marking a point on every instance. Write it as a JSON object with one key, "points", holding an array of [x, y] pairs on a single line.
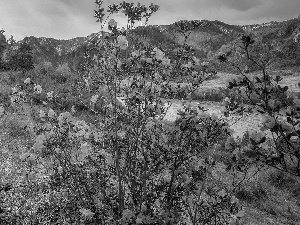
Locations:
{"points": [[208, 39]]}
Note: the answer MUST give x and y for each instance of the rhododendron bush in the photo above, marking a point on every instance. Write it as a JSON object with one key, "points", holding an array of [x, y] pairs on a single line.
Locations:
{"points": [[130, 166], [267, 96]]}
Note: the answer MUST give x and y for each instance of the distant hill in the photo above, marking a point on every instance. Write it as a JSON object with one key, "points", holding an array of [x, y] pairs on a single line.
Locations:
{"points": [[282, 38], [207, 40], [53, 50]]}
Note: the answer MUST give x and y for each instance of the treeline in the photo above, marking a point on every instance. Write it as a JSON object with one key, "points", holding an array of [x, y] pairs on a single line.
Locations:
{"points": [[15, 55]]}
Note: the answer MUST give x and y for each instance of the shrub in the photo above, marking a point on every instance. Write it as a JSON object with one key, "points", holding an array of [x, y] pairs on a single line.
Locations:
{"points": [[63, 69], [62, 74], [4, 99], [16, 128], [129, 166], [22, 58], [44, 68], [59, 78], [271, 99], [281, 180]]}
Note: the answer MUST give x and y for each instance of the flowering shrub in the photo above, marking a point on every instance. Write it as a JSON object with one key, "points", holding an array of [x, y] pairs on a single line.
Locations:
{"points": [[129, 166], [281, 114]]}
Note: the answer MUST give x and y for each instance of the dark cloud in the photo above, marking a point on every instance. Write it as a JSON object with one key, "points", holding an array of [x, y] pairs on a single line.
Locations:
{"points": [[241, 5], [64, 19], [269, 10]]}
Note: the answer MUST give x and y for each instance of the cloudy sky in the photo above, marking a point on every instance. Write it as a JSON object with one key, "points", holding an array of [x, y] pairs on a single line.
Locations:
{"points": [[65, 19]]}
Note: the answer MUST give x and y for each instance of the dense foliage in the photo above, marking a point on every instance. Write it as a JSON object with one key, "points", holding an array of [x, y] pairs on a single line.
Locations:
{"points": [[17, 56]]}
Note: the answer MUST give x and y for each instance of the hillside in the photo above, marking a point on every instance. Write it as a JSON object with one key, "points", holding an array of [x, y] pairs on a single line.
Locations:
{"points": [[53, 50], [281, 40], [208, 39]]}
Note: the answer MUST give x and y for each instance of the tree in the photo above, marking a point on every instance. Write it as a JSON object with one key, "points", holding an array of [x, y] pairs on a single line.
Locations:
{"points": [[22, 59], [2, 43], [3, 46], [11, 41]]}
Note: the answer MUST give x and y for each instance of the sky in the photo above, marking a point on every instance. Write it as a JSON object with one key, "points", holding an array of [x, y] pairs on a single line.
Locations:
{"points": [[66, 19]]}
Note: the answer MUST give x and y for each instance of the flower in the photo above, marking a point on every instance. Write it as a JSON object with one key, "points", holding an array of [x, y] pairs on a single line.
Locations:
{"points": [[257, 136], [87, 213], [37, 89], [122, 42], [297, 102], [203, 115], [64, 117], [2, 110], [196, 164], [194, 73], [94, 98], [48, 126], [27, 81], [24, 156], [82, 129], [85, 149], [134, 54], [229, 81], [196, 60], [226, 99], [222, 193], [39, 142], [229, 143], [150, 124], [42, 114], [214, 116], [268, 122], [286, 126], [14, 90], [98, 136], [239, 79], [57, 150], [60, 170], [121, 134], [31, 157], [185, 177], [234, 200], [127, 214], [273, 103], [149, 60], [159, 55], [73, 109], [289, 110], [166, 62], [51, 113], [188, 65], [166, 177], [112, 23], [50, 95], [14, 99], [204, 63], [157, 76]]}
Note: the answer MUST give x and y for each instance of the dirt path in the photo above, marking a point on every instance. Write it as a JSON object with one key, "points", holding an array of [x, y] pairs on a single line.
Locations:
{"points": [[239, 124]]}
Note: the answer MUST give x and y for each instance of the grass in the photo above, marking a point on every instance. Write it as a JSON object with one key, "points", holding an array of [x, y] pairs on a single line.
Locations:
{"points": [[15, 126]]}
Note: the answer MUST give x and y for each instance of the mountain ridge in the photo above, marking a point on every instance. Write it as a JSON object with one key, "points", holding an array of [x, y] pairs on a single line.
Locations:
{"points": [[207, 40]]}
